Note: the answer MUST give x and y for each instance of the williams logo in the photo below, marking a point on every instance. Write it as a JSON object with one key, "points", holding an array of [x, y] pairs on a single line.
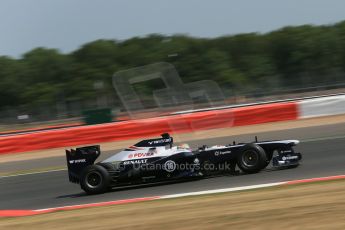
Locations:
{"points": [[77, 161], [289, 158]]}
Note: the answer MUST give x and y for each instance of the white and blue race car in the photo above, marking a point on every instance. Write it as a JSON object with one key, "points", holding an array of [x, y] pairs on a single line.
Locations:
{"points": [[155, 160]]}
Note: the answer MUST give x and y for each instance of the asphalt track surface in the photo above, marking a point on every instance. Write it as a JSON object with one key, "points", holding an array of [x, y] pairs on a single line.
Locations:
{"points": [[323, 150]]}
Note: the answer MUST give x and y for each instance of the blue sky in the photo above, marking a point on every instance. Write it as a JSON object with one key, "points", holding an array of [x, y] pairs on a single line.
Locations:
{"points": [[67, 24]]}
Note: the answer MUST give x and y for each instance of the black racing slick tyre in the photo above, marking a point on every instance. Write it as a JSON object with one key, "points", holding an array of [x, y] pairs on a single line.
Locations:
{"points": [[252, 158], [95, 179]]}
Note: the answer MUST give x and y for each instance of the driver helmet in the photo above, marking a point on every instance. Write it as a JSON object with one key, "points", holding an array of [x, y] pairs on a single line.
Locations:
{"points": [[184, 146]]}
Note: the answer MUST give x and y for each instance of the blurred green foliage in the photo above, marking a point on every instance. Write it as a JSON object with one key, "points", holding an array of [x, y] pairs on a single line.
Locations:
{"points": [[290, 57]]}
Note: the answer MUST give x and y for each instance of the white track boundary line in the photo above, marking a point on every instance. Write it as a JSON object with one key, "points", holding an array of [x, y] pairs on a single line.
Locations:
{"points": [[206, 192], [32, 173], [7, 213]]}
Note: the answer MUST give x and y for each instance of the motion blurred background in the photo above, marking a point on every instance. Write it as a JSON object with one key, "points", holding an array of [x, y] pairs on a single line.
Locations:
{"points": [[57, 58]]}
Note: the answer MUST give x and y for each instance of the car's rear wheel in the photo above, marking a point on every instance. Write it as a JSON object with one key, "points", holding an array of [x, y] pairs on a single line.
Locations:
{"points": [[95, 179], [252, 158]]}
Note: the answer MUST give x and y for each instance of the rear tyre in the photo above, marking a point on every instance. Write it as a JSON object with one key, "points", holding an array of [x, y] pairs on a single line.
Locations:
{"points": [[252, 158], [95, 179]]}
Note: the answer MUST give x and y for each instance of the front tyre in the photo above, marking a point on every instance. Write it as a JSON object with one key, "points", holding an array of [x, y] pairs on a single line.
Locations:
{"points": [[95, 179], [252, 158]]}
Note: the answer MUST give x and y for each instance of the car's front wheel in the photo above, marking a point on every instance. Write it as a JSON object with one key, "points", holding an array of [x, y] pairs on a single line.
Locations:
{"points": [[94, 179], [252, 158]]}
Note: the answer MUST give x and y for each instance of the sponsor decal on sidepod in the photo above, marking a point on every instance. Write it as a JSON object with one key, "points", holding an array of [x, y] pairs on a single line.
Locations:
{"points": [[77, 161]]}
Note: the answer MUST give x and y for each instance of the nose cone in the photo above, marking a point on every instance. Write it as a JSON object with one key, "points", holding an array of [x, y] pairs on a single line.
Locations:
{"points": [[295, 142]]}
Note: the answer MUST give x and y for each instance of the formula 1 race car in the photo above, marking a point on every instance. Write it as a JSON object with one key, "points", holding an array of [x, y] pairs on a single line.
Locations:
{"points": [[155, 160]]}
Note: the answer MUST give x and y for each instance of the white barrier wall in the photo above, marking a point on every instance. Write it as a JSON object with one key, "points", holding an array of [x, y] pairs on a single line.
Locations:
{"points": [[332, 105]]}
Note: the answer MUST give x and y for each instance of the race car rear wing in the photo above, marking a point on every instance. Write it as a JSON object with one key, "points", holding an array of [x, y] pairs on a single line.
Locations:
{"points": [[79, 158]]}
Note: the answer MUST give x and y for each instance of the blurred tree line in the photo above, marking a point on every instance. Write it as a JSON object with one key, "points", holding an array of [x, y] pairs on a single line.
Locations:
{"points": [[291, 57]]}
